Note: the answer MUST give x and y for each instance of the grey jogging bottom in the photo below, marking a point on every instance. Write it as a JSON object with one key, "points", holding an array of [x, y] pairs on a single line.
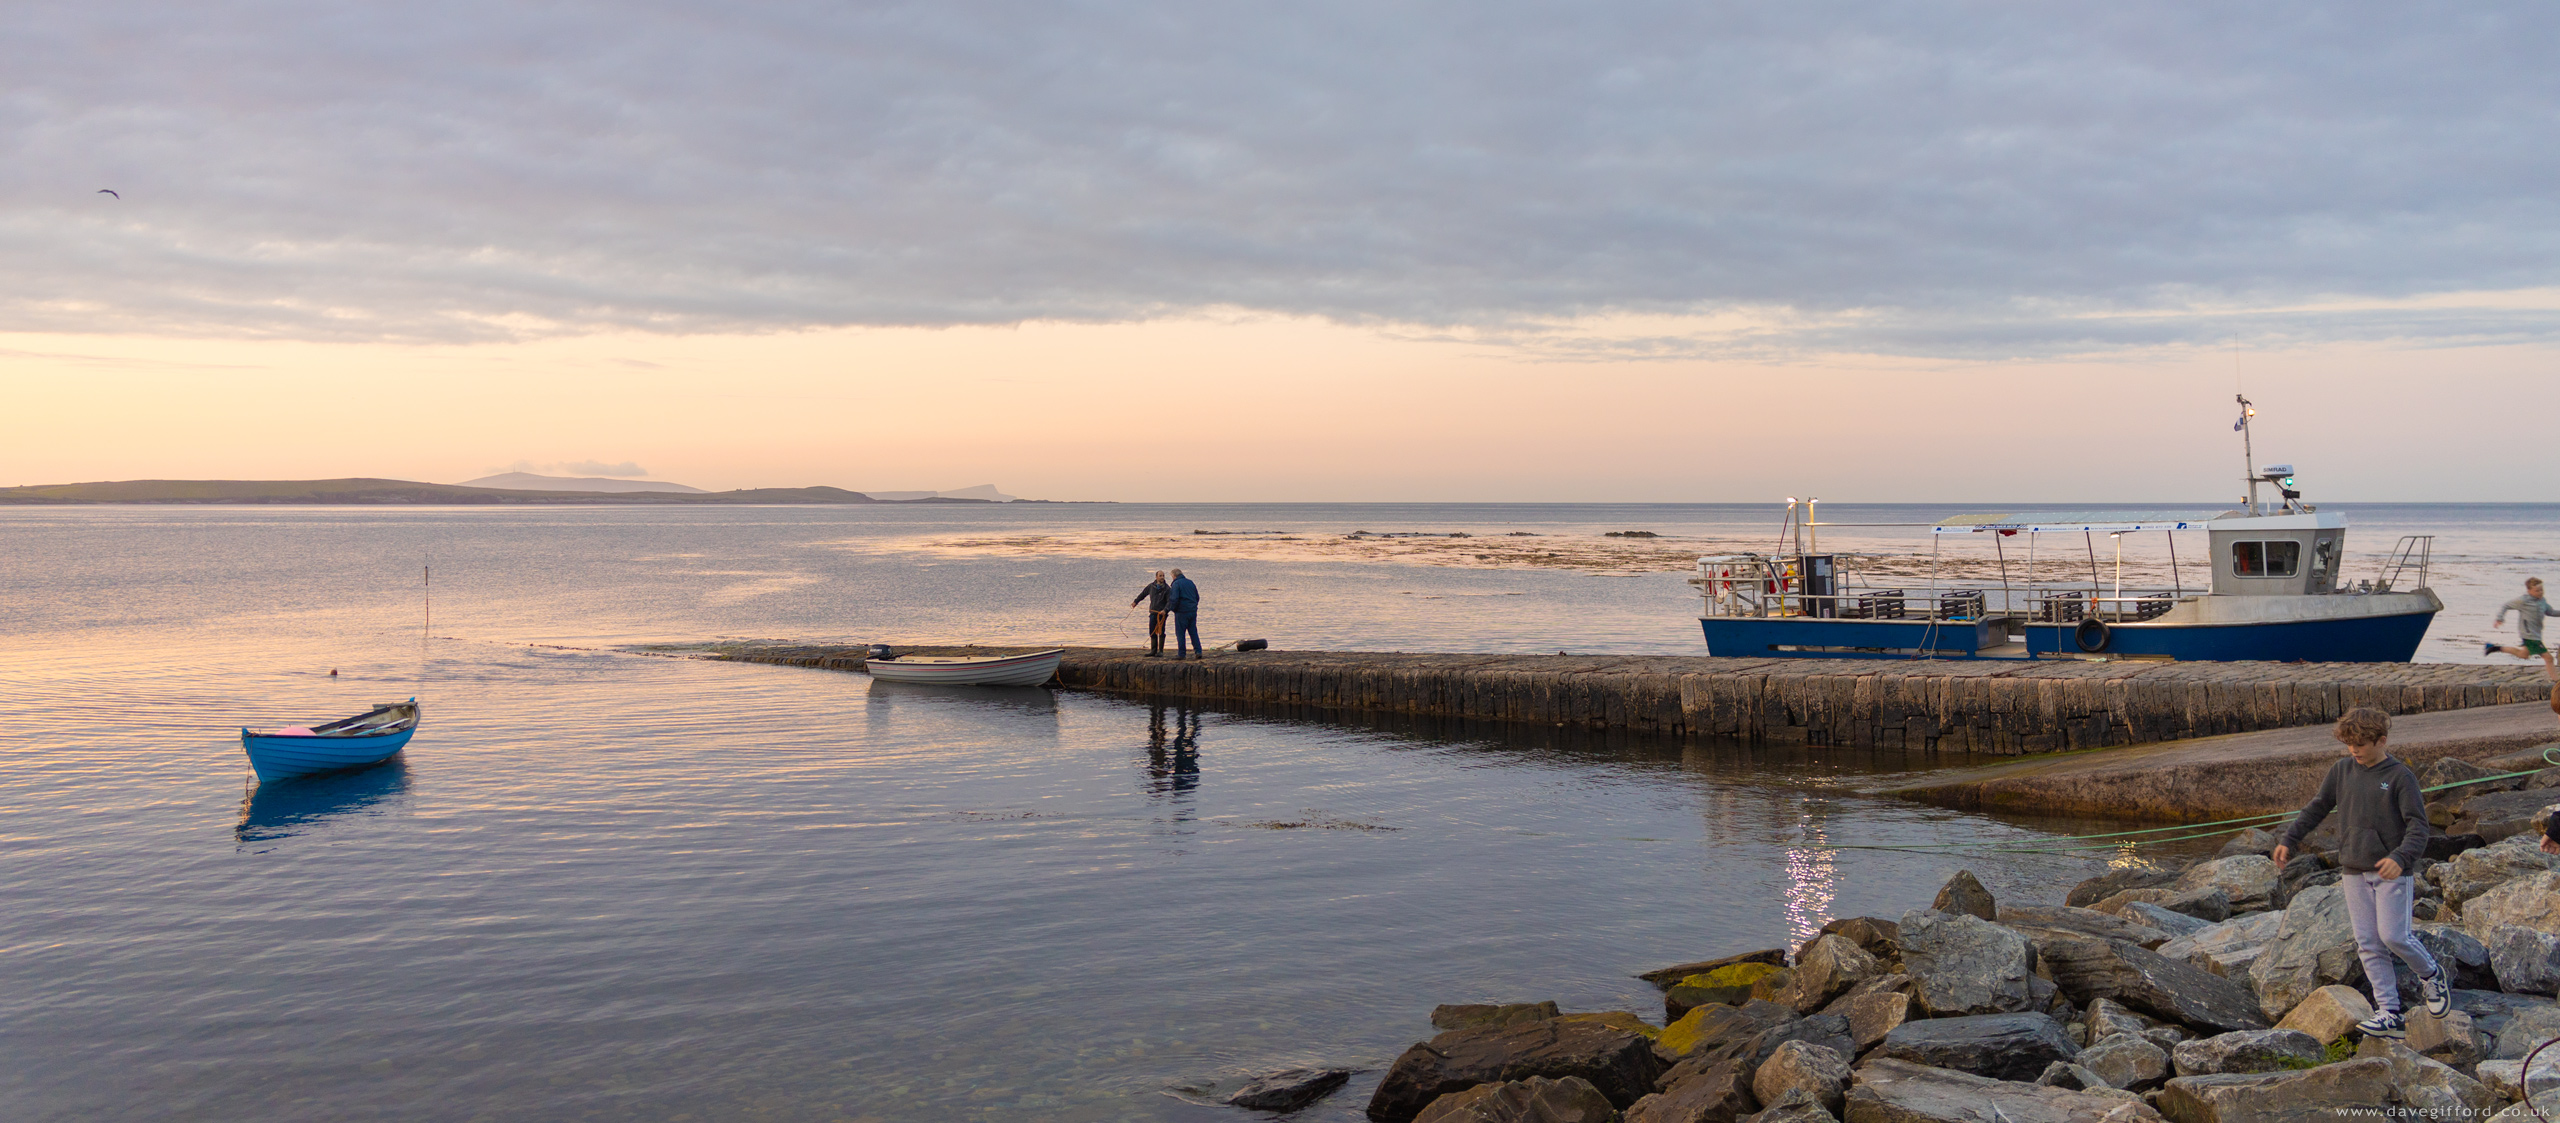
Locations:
{"points": [[2379, 910]]}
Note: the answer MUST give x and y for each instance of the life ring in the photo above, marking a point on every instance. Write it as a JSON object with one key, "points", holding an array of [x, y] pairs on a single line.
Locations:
{"points": [[2091, 634]]}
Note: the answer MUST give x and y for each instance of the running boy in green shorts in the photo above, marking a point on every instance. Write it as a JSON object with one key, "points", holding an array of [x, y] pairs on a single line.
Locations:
{"points": [[2529, 609]]}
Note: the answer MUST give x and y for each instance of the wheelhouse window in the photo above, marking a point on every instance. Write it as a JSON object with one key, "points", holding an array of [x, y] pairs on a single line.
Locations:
{"points": [[2266, 559]]}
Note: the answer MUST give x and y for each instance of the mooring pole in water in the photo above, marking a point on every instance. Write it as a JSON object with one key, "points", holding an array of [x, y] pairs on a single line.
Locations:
{"points": [[427, 581]]}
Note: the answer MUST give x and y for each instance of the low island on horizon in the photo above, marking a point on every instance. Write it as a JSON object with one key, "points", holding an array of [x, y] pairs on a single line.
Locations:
{"points": [[381, 492]]}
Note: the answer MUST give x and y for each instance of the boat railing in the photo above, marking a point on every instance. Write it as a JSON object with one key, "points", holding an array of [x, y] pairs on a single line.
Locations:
{"points": [[1757, 587], [2413, 553]]}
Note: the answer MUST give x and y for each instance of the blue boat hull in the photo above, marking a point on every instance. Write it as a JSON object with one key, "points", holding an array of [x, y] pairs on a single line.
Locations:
{"points": [[2361, 639], [280, 758], [1795, 637]]}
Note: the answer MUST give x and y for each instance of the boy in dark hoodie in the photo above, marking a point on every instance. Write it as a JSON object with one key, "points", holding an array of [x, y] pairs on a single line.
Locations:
{"points": [[2381, 834]]}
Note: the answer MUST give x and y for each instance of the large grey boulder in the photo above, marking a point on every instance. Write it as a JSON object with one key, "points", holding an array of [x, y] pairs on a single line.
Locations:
{"points": [[2519, 1032], [2321, 1095], [2529, 900], [2506, 1078], [1831, 1031], [1800, 1066], [2435, 1089], [2087, 922], [2090, 969], [1828, 968], [2250, 841], [2115, 881], [2174, 923], [1965, 965], [1535, 1100], [1714, 1025], [2453, 949], [2128, 1061], [2316, 946], [2250, 880], [2209, 903], [2330, 1013], [1894, 1091], [1795, 1107], [2474, 872], [1880, 937], [2527, 961], [2502, 815], [1619, 1063], [2228, 948], [1719, 1093], [1963, 894], [2001, 1046], [1872, 1014], [2249, 1050]]}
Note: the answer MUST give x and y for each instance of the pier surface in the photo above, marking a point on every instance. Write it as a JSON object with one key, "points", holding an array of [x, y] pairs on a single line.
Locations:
{"points": [[1985, 707]]}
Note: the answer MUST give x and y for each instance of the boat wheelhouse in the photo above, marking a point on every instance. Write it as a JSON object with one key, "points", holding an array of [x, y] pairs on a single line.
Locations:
{"points": [[2277, 590]]}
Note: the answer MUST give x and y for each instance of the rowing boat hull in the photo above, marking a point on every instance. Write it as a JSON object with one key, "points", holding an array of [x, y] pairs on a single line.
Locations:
{"points": [[994, 670]]}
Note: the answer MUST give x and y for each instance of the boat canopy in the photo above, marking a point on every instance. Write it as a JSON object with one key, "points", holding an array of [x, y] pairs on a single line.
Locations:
{"points": [[2110, 522]]}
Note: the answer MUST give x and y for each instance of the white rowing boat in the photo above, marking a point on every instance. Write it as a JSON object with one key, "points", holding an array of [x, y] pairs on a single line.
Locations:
{"points": [[1034, 669]]}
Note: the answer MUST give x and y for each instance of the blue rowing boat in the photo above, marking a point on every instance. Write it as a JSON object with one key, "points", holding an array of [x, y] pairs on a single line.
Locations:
{"points": [[368, 738]]}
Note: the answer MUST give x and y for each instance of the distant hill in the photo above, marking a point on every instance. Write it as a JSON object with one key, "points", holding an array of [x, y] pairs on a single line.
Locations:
{"points": [[527, 481], [984, 493], [360, 492]]}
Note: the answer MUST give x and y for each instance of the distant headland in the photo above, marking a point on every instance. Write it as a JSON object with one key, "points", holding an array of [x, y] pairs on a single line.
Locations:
{"points": [[373, 492]]}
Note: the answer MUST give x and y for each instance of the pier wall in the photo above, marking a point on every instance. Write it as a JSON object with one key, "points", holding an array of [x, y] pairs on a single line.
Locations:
{"points": [[1985, 707]]}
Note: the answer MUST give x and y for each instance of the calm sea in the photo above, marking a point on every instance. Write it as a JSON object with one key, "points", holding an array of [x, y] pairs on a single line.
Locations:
{"points": [[611, 885]]}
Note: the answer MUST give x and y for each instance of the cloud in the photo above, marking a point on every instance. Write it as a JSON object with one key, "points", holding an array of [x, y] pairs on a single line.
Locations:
{"points": [[1949, 178]]}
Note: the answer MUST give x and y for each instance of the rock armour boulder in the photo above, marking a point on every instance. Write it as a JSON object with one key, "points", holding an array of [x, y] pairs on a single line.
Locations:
{"points": [[1620, 1064], [1964, 964], [2527, 961], [1801, 1066], [1828, 968], [2128, 1061], [2250, 880], [1718, 1093], [1663, 978], [2249, 1050], [1446, 1017], [2328, 1014], [2474, 872], [2529, 900], [2000, 1046], [2228, 948], [2315, 947], [1894, 1091], [2112, 882], [2088, 922], [1535, 1100], [2090, 969], [1964, 895]]}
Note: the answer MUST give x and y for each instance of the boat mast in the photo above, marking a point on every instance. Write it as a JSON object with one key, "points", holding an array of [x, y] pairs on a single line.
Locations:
{"points": [[2248, 455]]}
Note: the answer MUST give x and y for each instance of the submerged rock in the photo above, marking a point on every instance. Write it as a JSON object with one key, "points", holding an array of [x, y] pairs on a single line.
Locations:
{"points": [[1448, 1017], [1535, 1100], [1290, 1089], [2000, 1046], [1620, 1064], [1663, 978]]}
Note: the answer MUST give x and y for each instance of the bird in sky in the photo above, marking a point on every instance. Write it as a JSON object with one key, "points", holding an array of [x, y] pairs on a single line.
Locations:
{"points": [[109, 191]]}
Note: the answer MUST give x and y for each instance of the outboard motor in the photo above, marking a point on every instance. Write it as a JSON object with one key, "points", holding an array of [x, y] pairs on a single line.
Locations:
{"points": [[879, 651]]}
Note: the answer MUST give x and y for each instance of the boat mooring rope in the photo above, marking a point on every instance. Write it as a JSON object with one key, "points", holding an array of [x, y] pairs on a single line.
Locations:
{"points": [[2185, 832]]}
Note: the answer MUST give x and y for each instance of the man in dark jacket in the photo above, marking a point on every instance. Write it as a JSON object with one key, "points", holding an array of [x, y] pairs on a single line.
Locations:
{"points": [[2382, 830], [1156, 594], [1186, 617]]}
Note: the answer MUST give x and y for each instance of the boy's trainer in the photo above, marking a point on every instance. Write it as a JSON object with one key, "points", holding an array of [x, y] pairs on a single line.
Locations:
{"points": [[2384, 1024], [2438, 996]]}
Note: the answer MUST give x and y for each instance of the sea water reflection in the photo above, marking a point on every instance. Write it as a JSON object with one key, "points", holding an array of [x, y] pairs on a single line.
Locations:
{"points": [[274, 811]]}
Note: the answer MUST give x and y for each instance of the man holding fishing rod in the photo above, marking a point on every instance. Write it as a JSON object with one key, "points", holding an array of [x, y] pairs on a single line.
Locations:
{"points": [[2381, 833], [1159, 597]]}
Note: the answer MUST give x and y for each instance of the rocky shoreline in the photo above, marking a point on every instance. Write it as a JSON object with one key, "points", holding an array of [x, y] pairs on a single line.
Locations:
{"points": [[2218, 990]]}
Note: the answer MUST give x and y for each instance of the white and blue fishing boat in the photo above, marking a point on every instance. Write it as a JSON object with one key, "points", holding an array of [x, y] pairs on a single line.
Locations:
{"points": [[2278, 590], [368, 738]]}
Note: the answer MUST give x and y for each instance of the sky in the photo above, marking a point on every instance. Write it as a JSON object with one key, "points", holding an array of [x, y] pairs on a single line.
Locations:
{"points": [[1317, 251]]}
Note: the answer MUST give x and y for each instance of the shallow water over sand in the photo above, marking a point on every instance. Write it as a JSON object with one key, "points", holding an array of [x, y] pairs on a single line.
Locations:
{"points": [[610, 886]]}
